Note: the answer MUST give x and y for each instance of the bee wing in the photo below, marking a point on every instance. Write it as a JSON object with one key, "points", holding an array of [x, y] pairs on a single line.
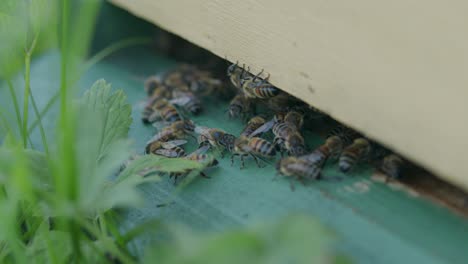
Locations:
{"points": [[201, 129], [173, 143], [160, 124], [183, 100], [203, 149], [264, 128]]}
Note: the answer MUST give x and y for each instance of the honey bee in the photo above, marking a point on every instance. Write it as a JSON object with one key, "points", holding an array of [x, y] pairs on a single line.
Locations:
{"points": [[346, 134], [287, 137], [392, 165], [154, 85], [258, 88], [188, 101], [235, 74], [176, 130], [240, 106], [200, 156], [165, 111], [157, 95], [189, 78], [294, 118], [331, 148], [299, 169], [253, 124], [215, 137], [168, 149], [255, 147], [358, 150]]}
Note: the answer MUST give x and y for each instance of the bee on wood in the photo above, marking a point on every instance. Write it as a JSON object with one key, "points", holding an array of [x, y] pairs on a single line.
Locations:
{"points": [[258, 88], [200, 156], [299, 169], [169, 149], [240, 106], [188, 101], [236, 73], [189, 78], [165, 111], [177, 130], [154, 86], [392, 165], [255, 147], [294, 118], [287, 137], [215, 137], [331, 148], [358, 150], [346, 134], [253, 124], [156, 95]]}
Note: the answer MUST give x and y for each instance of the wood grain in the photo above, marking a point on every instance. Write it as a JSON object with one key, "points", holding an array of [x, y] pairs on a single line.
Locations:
{"points": [[394, 70]]}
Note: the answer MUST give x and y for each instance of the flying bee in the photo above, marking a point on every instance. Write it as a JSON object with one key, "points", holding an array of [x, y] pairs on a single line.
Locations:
{"points": [[253, 124], [215, 137], [188, 101], [169, 149], [200, 156], [331, 148], [177, 130], [165, 111], [257, 88], [392, 165], [358, 150], [298, 169], [255, 147], [288, 138], [240, 106]]}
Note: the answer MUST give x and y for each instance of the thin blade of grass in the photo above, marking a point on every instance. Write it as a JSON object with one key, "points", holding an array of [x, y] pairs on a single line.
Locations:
{"points": [[41, 127], [16, 105]]}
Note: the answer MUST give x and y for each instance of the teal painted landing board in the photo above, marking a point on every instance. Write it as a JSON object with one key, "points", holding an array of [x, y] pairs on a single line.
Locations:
{"points": [[375, 223]]}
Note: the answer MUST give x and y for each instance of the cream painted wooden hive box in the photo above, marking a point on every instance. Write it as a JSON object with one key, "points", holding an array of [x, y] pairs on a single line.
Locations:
{"points": [[396, 71]]}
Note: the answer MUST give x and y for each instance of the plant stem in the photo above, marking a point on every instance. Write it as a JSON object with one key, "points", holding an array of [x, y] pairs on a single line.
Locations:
{"points": [[27, 65]]}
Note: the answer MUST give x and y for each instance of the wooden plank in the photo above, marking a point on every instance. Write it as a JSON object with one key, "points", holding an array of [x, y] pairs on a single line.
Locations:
{"points": [[394, 70]]}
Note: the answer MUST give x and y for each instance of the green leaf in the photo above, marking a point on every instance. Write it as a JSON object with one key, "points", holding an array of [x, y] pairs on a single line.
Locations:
{"points": [[111, 109]]}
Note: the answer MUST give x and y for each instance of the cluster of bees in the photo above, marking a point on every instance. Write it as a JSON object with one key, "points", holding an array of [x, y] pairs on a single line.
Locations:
{"points": [[279, 129]]}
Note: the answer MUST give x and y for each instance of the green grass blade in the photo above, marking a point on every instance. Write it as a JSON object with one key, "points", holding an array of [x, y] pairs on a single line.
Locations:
{"points": [[16, 105], [44, 111], [41, 127]]}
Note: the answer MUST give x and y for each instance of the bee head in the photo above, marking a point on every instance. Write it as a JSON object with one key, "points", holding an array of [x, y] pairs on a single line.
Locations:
{"points": [[227, 141], [189, 125], [232, 68]]}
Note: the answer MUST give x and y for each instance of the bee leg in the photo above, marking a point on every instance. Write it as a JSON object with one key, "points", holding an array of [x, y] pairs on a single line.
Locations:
{"points": [[232, 158], [242, 161], [267, 78], [258, 75], [256, 161], [291, 185]]}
